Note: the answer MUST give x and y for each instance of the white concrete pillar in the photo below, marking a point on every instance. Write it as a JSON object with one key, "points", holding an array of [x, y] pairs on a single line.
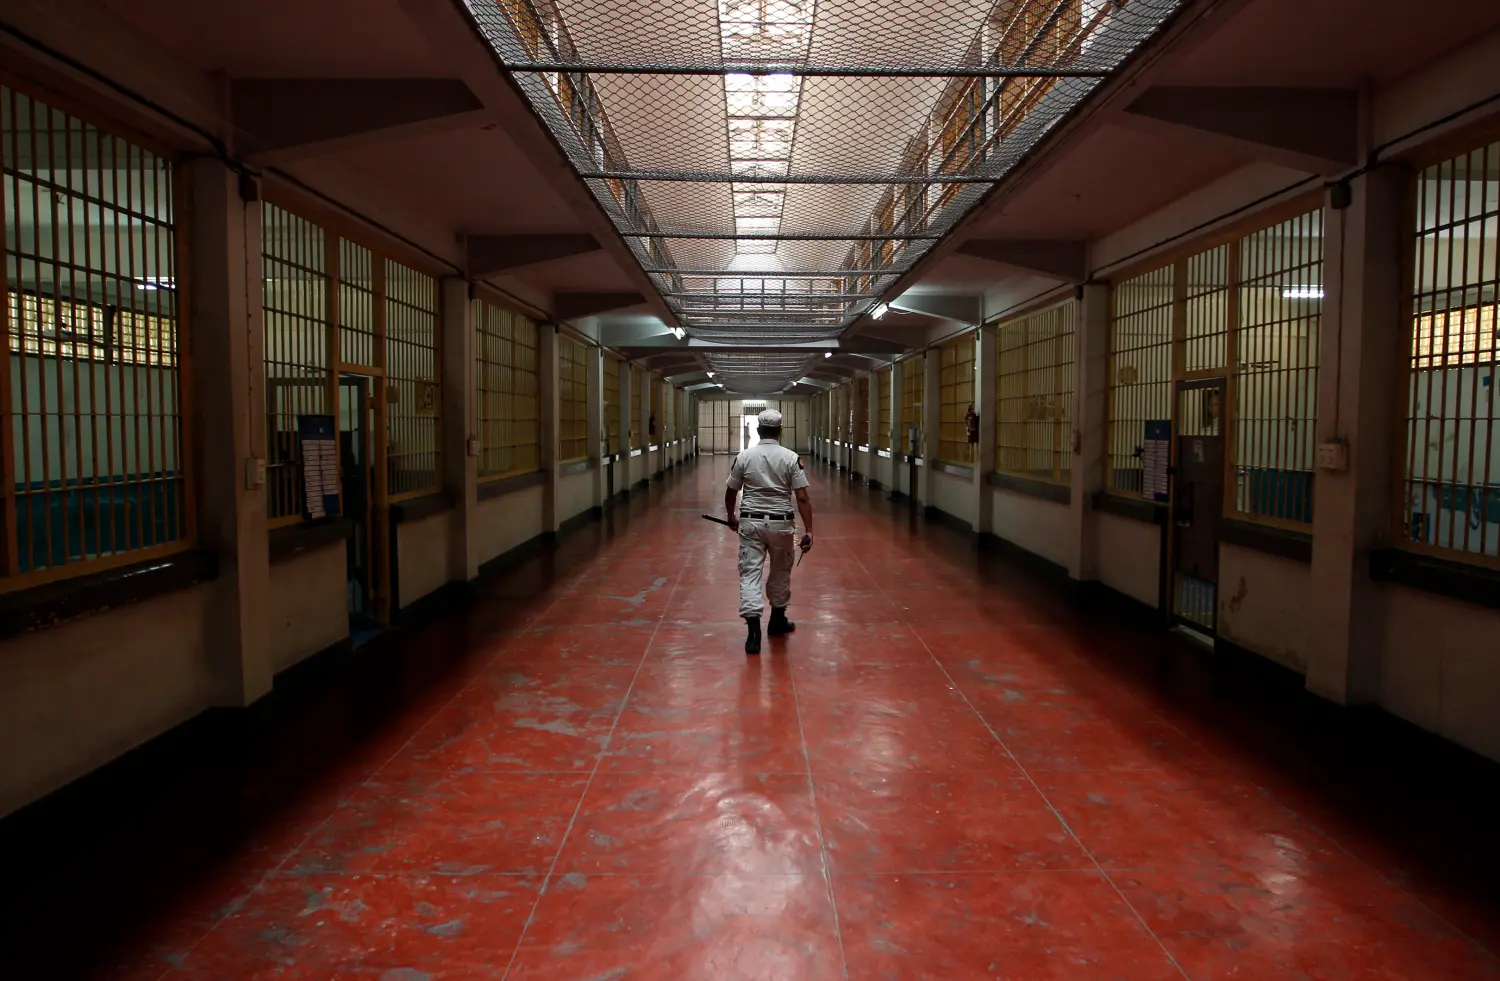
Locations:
{"points": [[985, 379], [1364, 339], [1090, 423], [550, 404], [224, 263], [460, 466]]}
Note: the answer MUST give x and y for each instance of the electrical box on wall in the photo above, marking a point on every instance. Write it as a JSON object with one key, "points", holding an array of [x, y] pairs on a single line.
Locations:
{"points": [[472, 446], [255, 473], [1333, 456]]}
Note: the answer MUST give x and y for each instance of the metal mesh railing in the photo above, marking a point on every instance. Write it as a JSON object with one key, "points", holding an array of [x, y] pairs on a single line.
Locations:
{"points": [[740, 139]]}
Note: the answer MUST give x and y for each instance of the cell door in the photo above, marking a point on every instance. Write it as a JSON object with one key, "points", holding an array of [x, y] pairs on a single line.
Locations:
{"points": [[1197, 502]]}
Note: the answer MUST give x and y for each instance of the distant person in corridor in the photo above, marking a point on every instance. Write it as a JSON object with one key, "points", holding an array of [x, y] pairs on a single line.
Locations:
{"points": [[770, 476]]}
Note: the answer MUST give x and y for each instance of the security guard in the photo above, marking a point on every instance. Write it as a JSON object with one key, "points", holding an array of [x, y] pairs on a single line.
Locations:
{"points": [[770, 475]]}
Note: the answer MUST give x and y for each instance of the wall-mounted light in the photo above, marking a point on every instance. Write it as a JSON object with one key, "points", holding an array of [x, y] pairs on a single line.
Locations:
{"points": [[879, 310], [827, 354], [1302, 293], [678, 333], [710, 374]]}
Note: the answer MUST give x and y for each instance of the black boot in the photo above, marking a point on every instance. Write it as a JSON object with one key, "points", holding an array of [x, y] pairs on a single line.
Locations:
{"points": [[779, 625], [752, 637]]}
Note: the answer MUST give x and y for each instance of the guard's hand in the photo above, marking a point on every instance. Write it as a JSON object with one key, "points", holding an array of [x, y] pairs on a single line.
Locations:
{"points": [[806, 545], [734, 522]]}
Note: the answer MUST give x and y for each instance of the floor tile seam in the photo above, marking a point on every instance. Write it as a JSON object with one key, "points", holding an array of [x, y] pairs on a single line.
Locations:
{"points": [[583, 795], [1058, 815], [826, 864]]}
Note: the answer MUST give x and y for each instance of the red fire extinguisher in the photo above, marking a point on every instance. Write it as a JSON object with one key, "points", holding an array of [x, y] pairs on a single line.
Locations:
{"points": [[971, 425]]}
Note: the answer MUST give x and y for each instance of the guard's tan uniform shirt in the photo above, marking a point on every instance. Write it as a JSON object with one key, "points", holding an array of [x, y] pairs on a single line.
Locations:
{"points": [[766, 475]]}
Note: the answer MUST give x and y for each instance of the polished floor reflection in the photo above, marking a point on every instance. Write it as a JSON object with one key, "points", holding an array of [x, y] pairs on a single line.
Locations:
{"points": [[949, 772]]}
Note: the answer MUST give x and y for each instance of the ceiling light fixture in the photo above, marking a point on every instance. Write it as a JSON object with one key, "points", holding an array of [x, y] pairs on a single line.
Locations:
{"points": [[827, 354], [678, 333], [879, 310], [1302, 293]]}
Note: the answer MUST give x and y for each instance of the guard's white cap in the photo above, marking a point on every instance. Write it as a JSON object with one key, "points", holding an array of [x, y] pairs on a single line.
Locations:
{"points": [[769, 418]]}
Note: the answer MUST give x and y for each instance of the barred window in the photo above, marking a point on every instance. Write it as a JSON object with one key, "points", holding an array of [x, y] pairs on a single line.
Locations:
{"points": [[913, 383], [411, 374], [1140, 371], [956, 400], [96, 438], [1274, 385], [883, 416], [612, 412], [1451, 470], [1034, 395], [506, 399], [299, 378], [572, 400]]}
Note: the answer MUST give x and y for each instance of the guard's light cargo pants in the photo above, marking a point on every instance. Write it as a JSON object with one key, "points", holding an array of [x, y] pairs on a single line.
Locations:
{"points": [[758, 539]]}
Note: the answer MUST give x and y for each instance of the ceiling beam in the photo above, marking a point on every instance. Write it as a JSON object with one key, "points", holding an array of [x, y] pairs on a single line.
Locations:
{"points": [[943, 306], [486, 255], [1316, 130], [570, 306], [279, 119], [1061, 259]]}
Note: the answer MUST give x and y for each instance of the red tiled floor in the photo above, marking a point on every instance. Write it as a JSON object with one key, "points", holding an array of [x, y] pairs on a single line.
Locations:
{"points": [[695, 824], [946, 773]]}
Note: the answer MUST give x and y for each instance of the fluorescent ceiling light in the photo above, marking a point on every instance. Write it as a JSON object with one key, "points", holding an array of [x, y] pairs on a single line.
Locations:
{"points": [[156, 283], [879, 310], [1302, 293]]}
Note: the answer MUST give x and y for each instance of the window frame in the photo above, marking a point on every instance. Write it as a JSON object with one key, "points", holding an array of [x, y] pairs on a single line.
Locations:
{"points": [[1059, 354], [185, 435], [1480, 138], [953, 404], [515, 398]]}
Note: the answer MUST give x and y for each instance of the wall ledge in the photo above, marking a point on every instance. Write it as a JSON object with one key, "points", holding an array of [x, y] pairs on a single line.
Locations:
{"points": [[290, 541], [954, 470], [489, 490], [57, 603], [574, 467], [1280, 542], [1030, 487], [1441, 577], [419, 508]]}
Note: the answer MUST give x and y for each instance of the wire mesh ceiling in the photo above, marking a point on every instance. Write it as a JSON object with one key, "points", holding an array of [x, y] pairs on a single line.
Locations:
{"points": [[757, 374], [776, 165]]}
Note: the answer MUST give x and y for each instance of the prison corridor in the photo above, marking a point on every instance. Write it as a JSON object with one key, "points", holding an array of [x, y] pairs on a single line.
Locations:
{"points": [[951, 770]]}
